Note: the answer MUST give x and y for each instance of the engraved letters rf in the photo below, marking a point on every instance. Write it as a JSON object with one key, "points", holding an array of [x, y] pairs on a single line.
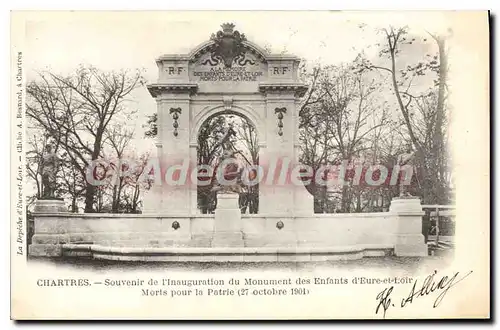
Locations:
{"points": [[280, 112]]}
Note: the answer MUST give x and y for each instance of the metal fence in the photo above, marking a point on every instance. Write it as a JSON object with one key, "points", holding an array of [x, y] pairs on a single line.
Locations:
{"points": [[438, 226]]}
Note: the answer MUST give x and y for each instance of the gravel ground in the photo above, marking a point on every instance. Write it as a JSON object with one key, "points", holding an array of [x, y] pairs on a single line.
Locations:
{"points": [[403, 263]]}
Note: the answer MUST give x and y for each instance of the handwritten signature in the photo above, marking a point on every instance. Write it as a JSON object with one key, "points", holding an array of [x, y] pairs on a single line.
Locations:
{"points": [[429, 285]]}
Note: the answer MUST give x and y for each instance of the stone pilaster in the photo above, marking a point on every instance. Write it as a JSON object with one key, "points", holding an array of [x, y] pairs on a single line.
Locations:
{"points": [[303, 201], [50, 206], [282, 120], [409, 241]]}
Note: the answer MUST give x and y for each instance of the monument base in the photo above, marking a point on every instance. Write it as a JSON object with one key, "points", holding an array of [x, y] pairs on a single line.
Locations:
{"points": [[55, 205], [224, 254], [414, 250], [227, 224], [409, 241], [406, 204], [45, 250], [228, 239], [303, 202], [47, 206], [228, 235]]}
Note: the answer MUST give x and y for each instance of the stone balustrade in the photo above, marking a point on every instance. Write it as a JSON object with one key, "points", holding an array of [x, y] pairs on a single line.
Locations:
{"points": [[398, 231]]}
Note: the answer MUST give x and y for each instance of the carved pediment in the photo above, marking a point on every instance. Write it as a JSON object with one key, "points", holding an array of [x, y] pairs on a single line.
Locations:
{"points": [[241, 59], [228, 45]]}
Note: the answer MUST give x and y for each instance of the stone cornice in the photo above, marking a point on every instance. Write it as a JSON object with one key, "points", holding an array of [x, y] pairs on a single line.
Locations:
{"points": [[172, 57], [157, 89], [282, 57], [298, 89], [208, 46]]}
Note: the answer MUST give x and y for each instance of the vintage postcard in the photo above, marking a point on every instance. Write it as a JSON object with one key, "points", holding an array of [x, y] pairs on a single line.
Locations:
{"points": [[203, 165]]}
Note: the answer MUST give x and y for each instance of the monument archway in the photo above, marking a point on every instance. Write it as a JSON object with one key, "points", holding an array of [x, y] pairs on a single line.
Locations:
{"points": [[228, 74], [227, 131], [248, 114]]}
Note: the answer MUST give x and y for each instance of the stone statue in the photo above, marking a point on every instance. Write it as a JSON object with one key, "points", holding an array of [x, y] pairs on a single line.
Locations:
{"points": [[404, 159], [231, 171], [49, 168]]}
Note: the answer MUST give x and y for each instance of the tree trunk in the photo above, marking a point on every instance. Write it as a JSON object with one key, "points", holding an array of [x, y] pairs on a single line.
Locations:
{"points": [[438, 144], [358, 202], [135, 199], [89, 198], [117, 192], [114, 204], [74, 207], [91, 189]]}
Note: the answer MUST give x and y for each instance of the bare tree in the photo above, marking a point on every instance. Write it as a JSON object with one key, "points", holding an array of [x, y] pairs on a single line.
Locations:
{"points": [[340, 122], [76, 111], [425, 121], [36, 143], [118, 138]]}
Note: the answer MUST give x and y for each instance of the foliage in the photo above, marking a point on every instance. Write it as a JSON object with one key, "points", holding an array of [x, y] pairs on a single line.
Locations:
{"points": [[75, 113], [363, 112]]}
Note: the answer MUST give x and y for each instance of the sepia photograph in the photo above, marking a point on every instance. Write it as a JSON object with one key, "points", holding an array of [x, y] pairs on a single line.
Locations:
{"points": [[250, 165]]}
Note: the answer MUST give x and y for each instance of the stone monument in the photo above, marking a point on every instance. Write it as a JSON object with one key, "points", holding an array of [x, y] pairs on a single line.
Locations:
{"points": [[49, 202], [226, 75], [408, 208], [227, 222], [229, 74]]}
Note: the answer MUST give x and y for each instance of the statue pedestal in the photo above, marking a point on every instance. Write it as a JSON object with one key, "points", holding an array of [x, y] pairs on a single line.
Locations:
{"points": [[47, 244], [409, 240], [50, 206], [227, 224]]}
